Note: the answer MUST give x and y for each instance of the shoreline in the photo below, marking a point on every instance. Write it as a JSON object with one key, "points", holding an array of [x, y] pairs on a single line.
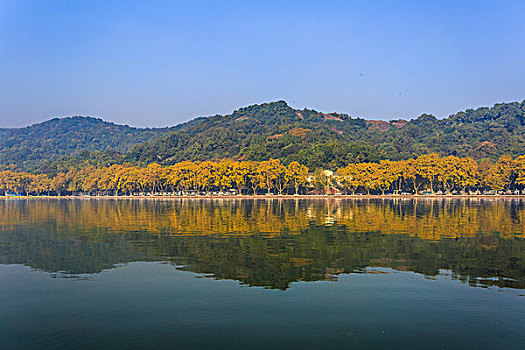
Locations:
{"points": [[306, 196]]}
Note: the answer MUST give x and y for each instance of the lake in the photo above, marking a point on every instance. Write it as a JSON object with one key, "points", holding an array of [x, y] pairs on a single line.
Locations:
{"points": [[262, 273]]}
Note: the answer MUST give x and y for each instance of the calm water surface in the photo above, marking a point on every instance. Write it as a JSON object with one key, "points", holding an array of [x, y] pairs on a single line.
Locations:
{"points": [[248, 274]]}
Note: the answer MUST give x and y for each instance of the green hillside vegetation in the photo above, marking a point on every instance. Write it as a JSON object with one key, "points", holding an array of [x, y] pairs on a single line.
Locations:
{"points": [[270, 130], [275, 130], [39, 144]]}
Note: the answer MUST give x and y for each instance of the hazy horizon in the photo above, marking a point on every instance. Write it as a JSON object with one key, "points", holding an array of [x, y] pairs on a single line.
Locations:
{"points": [[162, 63]]}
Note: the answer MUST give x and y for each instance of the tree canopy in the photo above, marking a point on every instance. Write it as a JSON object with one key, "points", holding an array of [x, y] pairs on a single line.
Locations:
{"points": [[431, 172]]}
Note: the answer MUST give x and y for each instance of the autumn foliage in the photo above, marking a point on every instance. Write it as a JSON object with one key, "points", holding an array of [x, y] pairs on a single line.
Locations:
{"points": [[428, 172]]}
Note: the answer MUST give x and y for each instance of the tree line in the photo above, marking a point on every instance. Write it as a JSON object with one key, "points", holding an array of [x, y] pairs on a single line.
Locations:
{"points": [[428, 172]]}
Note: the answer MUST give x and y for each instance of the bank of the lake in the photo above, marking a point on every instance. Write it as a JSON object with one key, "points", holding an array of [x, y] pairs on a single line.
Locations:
{"points": [[308, 196]]}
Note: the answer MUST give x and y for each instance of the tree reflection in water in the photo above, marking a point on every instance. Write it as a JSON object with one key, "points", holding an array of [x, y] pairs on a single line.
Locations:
{"points": [[271, 242]]}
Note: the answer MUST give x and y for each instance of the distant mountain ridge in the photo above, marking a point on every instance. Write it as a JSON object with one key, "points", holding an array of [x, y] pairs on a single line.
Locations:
{"points": [[275, 130], [269, 130], [61, 137]]}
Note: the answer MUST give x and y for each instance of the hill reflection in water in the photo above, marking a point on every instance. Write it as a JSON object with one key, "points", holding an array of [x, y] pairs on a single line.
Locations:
{"points": [[271, 242]]}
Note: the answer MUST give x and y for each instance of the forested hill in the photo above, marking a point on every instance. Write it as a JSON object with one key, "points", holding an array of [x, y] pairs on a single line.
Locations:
{"points": [[270, 130], [49, 141], [275, 130], [260, 132]]}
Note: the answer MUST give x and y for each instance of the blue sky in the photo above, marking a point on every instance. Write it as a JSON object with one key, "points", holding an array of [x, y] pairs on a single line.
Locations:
{"points": [[158, 63]]}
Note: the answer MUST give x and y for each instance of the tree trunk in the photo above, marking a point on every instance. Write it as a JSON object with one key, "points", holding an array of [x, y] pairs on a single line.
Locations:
{"points": [[415, 187]]}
